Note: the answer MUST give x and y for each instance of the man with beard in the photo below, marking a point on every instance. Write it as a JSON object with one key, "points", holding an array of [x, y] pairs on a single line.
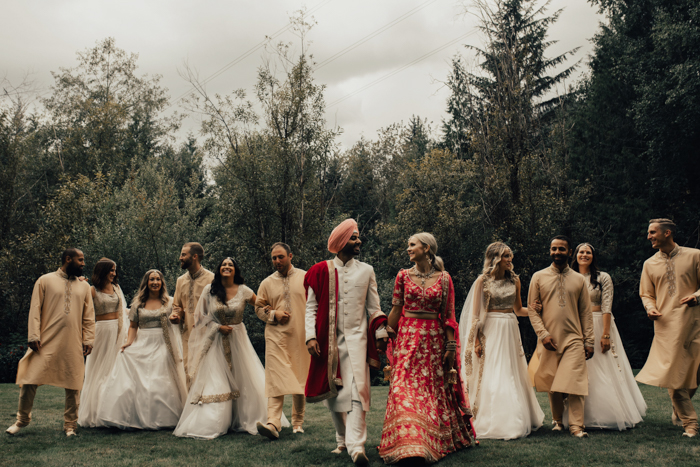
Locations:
{"points": [[281, 304], [341, 341], [61, 334], [188, 289], [565, 332], [670, 288]]}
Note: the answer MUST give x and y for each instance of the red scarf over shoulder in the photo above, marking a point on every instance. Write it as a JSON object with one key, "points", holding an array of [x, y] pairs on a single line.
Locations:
{"points": [[324, 378]]}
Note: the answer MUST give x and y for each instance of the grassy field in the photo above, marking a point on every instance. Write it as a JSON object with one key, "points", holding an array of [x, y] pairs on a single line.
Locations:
{"points": [[654, 442]]}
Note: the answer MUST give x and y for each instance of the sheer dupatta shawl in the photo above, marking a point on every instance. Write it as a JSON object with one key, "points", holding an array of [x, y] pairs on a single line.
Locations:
{"points": [[471, 324]]}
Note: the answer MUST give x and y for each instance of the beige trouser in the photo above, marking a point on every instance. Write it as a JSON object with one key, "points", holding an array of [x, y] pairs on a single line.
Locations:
{"points": [[576, 403], [26, 402], [274, 410], [683, 406]]}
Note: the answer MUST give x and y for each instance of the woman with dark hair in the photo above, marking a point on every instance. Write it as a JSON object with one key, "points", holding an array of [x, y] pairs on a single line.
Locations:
{"points": [[614, 400], [146, 388], [227, 391], [110, 333], [494, 368]]}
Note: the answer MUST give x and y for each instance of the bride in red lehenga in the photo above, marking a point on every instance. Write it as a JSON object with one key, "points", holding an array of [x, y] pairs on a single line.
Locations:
{"points": [[427, 412]]}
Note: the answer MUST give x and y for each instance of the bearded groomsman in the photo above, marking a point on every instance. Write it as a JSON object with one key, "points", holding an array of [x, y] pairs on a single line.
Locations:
{"points": [[565, 333], [670, 289], [188, 289], [61, 334], [281, 304], [342, 341]]}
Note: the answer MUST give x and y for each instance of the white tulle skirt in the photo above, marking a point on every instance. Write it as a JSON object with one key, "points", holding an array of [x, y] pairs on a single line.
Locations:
{"points": [[614, 400], [98, 366], [241, 391], [142, 391], [506, 404]]}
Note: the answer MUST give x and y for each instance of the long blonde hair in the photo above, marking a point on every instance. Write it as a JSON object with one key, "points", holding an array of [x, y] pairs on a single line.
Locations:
{"points": [[142, 294], [427, 239], [492, 258]]}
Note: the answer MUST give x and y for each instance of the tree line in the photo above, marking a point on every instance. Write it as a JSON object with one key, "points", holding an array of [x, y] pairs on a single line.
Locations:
{"points": [[518, 158]]}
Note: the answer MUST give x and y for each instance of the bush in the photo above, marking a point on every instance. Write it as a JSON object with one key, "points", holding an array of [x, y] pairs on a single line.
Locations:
{"points": [[12, 349]]}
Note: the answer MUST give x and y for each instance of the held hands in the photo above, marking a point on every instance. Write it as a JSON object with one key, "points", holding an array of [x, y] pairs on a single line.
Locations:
{"points": [[536, 305], [381, 343], [313, 348], [225, 330], [549, 344], [35, 346], [589, 352], [690, 300], [174, 318], [87, 350], [654, 314], [177, 310]]}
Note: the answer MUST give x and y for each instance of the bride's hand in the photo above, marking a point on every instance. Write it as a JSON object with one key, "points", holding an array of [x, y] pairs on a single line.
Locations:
{"points": [[125, 346], [478, 350], [225, 330]]}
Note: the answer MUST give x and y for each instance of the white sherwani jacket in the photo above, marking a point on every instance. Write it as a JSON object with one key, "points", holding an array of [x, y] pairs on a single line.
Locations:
{"points": [[357, 301]]}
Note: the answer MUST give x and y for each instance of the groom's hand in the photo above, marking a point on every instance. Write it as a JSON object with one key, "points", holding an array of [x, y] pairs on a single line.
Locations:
{"points": [[313, 348]]}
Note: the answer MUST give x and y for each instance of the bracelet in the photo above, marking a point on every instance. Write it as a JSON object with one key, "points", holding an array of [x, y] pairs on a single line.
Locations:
{"points": [[606, 336], [451, 346]]}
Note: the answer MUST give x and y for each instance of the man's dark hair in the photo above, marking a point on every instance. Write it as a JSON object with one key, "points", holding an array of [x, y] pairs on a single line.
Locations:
{"points": [[283, 245], [562, 237], [666, 224], [68, 253], [196, 249]]}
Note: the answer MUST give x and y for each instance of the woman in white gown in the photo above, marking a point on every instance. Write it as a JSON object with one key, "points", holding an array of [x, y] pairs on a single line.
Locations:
{"points": [[146, 388], [112, 323], [227, 391], [494, 367], [614, 400]]}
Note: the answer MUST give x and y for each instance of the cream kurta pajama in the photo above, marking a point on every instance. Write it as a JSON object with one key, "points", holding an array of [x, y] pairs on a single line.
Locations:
{"points": [[62, 318], [674, 357], [567, 317], [286, 356], [188, 289]]}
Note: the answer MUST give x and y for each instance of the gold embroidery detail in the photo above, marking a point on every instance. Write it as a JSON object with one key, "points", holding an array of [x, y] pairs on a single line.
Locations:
{"points": [[168, 344], [332, 344], [228, 396]]}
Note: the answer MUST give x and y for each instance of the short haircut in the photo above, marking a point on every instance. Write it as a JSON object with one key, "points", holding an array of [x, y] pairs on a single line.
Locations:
{"points": [[195, 249], [562, 237], [283, 245], [666, 224], [68, 253]]}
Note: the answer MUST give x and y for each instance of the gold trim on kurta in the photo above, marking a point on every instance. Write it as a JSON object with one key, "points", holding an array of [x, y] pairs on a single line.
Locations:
{"points": [[333, 357]]}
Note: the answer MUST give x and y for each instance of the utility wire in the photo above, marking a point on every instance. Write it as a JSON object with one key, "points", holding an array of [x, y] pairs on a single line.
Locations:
{"points": [[398, 70], [246, 54], [374, 34]]}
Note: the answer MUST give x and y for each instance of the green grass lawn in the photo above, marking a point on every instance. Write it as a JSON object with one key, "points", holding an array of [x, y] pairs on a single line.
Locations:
{"points": [[654, 442]]}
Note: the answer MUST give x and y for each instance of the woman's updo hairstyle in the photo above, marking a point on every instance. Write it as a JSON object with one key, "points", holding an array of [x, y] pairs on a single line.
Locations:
{"points": [[428, 240]]}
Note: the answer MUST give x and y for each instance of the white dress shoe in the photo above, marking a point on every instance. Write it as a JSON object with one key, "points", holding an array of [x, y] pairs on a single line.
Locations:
{"points": [[13, 430]]}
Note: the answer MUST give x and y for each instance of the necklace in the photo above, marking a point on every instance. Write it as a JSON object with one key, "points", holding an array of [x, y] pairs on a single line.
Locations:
{"points": [[423, 276]]}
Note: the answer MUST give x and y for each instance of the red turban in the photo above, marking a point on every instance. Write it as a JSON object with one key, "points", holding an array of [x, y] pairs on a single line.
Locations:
{"points": [[341, 234]]}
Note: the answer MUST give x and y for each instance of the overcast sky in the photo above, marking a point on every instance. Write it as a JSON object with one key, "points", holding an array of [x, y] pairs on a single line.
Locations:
{"points": [[39, 36]]}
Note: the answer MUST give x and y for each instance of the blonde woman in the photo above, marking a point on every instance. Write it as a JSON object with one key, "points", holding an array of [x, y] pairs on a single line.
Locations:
{"points": [[614, 400], [146, 389], [112, 323], [494, 368], [427, 415]]}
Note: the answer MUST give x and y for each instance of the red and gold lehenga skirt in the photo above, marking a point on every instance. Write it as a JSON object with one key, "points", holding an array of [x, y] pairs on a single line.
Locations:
{"points": [[425, 417]]}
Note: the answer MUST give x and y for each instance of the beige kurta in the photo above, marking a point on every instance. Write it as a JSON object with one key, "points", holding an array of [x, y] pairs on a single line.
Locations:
{"points": [[286, 357], [188, 289], [62, 318], [674, 357], [567, 317]]}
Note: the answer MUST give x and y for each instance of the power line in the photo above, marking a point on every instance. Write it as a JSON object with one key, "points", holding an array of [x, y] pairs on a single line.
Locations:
{"points": [[374, 34], [408, 65], [246, 54]]}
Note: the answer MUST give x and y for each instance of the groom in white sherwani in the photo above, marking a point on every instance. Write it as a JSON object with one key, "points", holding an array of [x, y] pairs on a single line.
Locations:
{"points": [[341, 339]]}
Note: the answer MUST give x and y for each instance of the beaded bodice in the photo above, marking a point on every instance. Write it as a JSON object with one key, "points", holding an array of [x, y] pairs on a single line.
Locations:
{"points": [[232, 312], [595, 294], [106, 303], [415, 298], [501, 294], [149, 318]]}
